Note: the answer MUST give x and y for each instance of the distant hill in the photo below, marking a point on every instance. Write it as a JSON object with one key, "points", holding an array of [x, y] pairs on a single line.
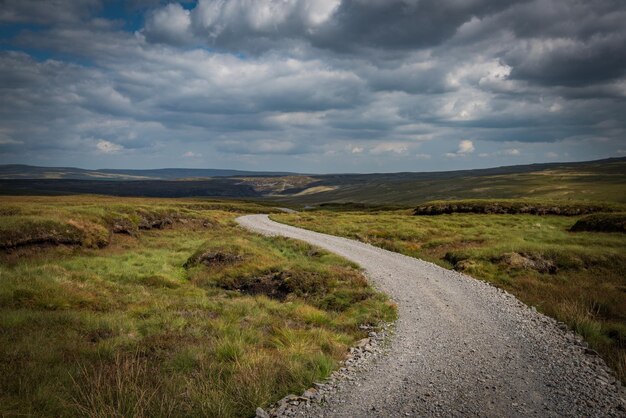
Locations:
{"points": [[218, 187], [590, 180], [601, 180], [20, 171]]}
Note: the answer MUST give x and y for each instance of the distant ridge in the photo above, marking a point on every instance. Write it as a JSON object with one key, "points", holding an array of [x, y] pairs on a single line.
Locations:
{"points": [[23, 171]]}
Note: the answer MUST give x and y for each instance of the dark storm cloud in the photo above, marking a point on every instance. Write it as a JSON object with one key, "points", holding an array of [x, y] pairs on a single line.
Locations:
{"points": [[569, 62], [47, 12], [399, 24]]}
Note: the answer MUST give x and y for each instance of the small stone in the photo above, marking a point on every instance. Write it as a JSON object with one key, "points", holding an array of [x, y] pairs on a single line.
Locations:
{"points": [[310, 393], [363, 342], [260, 413]]}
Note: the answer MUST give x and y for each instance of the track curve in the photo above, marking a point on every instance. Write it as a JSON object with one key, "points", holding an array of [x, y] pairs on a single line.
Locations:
{"points": [[461, 347]]}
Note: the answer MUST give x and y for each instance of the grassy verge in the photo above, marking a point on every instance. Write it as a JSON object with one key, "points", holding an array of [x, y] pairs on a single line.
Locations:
{"points": [[189, 317], [576, 277]]}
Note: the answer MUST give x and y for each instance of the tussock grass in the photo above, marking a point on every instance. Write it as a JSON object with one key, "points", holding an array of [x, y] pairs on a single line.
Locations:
{"points": [[578, 278], [132, 329]]}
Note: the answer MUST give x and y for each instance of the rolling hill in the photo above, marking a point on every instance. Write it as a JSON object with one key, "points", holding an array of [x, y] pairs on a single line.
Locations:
{"points": [[603, 180]]}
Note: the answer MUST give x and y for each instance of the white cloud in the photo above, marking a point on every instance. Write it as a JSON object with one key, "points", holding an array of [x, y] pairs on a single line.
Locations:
{"points": [[108, 147], [390, 148], [190, 154], [170, 24], [211, 19], [465, 147], [511, 152], [357, 150]]}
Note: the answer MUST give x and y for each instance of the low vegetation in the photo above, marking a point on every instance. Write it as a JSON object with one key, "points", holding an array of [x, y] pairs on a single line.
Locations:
{"points": [[515, 206], [116, 307], [576, 277], [601, 222]]}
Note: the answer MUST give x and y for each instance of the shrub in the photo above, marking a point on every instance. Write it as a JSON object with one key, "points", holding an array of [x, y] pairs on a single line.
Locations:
{"points": [[601, 222], [510, 206]]}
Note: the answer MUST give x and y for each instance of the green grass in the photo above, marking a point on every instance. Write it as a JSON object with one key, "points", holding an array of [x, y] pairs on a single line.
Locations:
{"points": [[576, 277], [129, 328]]}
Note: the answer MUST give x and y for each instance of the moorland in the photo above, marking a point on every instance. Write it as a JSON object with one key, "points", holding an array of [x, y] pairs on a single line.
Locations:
{"points": [[121, 305], [566, 258], [144, 307]]}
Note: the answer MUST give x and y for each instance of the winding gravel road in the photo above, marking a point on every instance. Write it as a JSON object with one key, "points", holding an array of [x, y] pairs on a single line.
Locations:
{"points": [[461, 347]]}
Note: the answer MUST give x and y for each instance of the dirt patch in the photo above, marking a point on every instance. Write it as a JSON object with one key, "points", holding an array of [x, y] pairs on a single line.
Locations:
{"points": [[465, 265], [272, 285], [528, 262], [212, 258], [155, 222]]}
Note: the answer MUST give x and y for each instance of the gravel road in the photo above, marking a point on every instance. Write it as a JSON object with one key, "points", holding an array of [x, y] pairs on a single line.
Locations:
{"points": [[461, 347]]}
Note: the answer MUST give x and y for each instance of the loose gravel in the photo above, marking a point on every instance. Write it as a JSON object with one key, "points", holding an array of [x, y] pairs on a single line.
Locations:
{"points": [[461, 347]]}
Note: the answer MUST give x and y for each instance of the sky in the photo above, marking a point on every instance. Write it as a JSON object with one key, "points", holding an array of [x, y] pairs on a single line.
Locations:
{"points": [[312, 86]]}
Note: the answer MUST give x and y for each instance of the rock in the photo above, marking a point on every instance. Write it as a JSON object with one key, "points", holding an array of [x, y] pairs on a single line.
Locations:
{"points": [[465, 265], [528, 262], [260, 413], [363, 342], [310, 393]]}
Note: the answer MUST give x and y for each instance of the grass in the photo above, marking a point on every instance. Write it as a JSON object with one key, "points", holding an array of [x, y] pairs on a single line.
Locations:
{"points": [[577, 277], [137, 324]]}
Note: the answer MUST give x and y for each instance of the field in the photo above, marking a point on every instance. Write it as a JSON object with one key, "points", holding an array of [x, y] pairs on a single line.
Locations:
{"points": [[115, 307], [577, 277]]}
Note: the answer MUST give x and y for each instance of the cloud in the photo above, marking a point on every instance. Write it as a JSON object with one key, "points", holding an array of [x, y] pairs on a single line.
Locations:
{"points": [[47, 12], [348, 25], [170, 24], [511, 152], [390, 148], [108, 147], [298, 85], [252, 23], [465, 148], [190, 154]]}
